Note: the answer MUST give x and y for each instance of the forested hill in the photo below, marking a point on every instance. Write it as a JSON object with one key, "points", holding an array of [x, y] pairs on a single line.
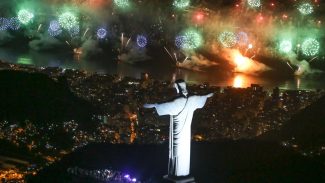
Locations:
{"points": [[40, 99], [306, 128]]}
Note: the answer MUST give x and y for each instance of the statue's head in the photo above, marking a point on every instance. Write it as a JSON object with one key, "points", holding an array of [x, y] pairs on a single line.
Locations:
{"points": [[180, 86]]}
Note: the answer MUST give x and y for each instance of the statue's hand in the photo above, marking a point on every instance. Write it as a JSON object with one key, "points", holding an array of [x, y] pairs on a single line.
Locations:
{"points": [[148, 106], [209, 95]]}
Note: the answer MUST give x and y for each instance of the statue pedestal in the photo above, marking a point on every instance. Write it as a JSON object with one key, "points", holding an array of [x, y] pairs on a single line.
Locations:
{"points": [[182, 179]]}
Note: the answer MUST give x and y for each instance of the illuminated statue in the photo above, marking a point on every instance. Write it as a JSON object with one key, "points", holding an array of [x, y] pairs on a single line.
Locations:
{"points": [[181, 111]]}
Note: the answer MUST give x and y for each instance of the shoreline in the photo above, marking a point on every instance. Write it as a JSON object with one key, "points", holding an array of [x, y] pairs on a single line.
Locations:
{"points": [[54, 72]]}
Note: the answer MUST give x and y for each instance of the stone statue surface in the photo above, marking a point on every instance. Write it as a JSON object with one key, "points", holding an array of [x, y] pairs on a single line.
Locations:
{"points": [[181, 111]]}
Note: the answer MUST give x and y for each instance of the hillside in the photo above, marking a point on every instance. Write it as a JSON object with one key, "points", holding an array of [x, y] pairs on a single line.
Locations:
{"points": [[223, 161], [38, 98], [306, 128]]}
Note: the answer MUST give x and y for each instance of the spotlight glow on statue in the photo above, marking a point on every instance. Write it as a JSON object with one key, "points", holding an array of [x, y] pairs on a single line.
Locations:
{"points": [[181, 111]]}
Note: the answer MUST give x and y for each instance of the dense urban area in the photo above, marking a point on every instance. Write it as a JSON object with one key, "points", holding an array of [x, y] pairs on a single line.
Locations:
{"points": [[232, 113]]}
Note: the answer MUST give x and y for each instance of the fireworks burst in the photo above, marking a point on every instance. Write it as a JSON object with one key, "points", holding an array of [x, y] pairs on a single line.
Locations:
{"points": [[142, 41], [310, 47], [236, 28], [74, 31], [181, 4], [54, 28], [14, 23], [285, 46], [68, 20], [241, 62], [179, 41], [242, 38], [122, 3], [54, 33], [254, 3], [306, 9], [227, 39], [4, 24], [191, 40], [25, 16], [54, 25], [101, 33]]}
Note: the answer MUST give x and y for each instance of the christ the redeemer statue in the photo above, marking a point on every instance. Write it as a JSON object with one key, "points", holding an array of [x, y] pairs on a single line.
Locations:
{"points": [[181, 111]]}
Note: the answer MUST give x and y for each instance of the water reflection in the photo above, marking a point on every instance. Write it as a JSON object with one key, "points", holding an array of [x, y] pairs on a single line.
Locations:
{"points": [[298, 82], [244, 81], [159, 70]]}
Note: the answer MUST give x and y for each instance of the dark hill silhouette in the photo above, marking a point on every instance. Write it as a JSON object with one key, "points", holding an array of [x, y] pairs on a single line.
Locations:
{"points": [[307, 127], [10, 150], [224, 161], [40, 99]]}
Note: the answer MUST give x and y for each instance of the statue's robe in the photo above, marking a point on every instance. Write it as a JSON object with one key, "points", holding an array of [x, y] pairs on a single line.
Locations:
{"points": [[181, 112]]}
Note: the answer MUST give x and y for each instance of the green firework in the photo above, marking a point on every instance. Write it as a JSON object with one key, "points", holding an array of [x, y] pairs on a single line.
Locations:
{"points": [[68, 20], [192, 39], [310, 47], [254, 3], [122, 3], [181, 4], [25, 16], [306, 9], [285, 46]]}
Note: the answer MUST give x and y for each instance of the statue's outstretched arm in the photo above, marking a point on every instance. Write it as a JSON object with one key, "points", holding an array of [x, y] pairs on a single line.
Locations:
{"points": [[168, 108], [148, 106], [209, 95]]}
